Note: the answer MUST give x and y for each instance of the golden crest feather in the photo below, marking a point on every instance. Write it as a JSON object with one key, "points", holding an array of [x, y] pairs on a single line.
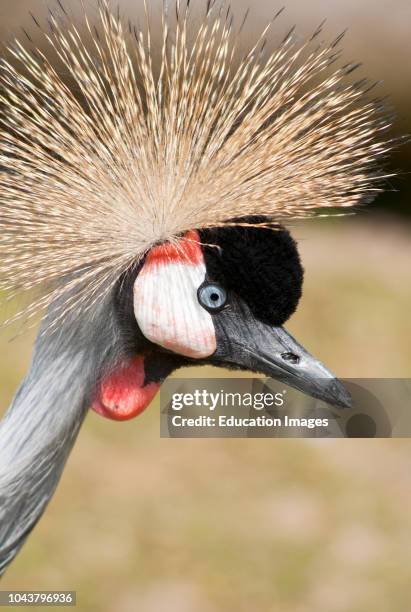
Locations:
{"points": [[105, 154]]}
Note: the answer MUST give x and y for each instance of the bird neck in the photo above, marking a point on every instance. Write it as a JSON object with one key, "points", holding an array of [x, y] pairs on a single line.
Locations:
{"points": [[42, 423]]}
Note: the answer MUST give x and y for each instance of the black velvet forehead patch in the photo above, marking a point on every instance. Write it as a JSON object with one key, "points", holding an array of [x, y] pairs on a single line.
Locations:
{"points": [[262, 266]]}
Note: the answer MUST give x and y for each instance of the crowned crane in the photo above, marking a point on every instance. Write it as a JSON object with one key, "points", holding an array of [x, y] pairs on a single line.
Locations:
{"points": [[143, 209]]}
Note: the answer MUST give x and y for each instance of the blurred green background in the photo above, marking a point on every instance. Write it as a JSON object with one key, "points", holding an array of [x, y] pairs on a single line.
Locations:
{"points": [[149, 524]]}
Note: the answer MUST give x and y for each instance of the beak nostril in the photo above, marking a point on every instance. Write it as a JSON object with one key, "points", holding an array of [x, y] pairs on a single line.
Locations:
{"points": [[291, 357]]}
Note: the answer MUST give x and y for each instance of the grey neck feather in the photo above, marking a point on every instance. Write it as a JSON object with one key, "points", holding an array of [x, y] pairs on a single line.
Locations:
{"points": [[41, 425]]}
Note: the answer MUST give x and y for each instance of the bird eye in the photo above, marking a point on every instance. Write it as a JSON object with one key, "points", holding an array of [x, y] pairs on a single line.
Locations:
{"points": [[212, 297]]}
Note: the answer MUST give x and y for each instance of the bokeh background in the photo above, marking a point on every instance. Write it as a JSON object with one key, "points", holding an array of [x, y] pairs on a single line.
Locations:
{"points": [[149, 524]]}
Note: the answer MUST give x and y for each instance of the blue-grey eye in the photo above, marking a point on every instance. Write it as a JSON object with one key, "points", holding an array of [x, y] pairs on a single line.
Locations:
{"points": [[212, 297]]}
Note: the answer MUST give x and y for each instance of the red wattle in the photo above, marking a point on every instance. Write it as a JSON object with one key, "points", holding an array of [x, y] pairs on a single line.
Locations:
{"points": [[122, 394]]}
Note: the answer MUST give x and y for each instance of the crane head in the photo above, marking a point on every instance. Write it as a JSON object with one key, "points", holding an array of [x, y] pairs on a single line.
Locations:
{"points": [[218, 297], [121, 161]]}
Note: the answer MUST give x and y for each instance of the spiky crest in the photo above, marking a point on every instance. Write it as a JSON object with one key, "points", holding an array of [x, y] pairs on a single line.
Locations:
{"points": [[105, 155]]}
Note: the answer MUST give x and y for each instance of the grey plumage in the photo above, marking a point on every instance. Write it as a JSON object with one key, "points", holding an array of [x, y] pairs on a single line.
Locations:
{"points": [[41, 425]]}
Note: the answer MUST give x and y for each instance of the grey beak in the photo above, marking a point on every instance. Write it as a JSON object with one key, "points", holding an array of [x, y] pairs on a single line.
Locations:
{"points": [[286, 360], [248, 343]]}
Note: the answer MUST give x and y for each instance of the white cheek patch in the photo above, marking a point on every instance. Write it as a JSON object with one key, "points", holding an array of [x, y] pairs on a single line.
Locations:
{"points": [[165, 300]]}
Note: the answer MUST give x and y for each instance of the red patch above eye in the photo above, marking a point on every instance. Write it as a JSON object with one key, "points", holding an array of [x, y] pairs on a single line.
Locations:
{"points": [[186, 250], [122, 394]]}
